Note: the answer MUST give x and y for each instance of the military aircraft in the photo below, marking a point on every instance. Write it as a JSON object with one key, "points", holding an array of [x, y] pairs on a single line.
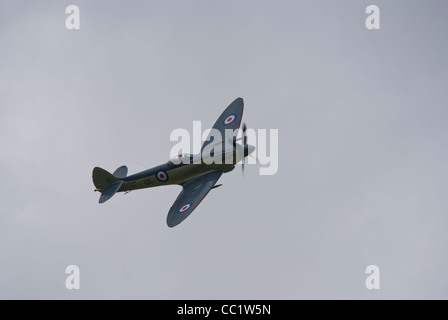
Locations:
{"points": [[197, 174]]}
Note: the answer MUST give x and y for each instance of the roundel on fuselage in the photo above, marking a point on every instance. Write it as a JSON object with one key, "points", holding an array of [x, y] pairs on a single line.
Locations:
{"points": [[162, 176]]}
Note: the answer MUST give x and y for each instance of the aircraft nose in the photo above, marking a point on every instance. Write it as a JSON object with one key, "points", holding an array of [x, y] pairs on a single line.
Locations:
{"points": [[250, 149]]}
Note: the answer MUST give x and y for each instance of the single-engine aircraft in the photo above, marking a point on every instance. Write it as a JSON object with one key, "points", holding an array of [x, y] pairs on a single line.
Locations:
{"points": [[197, 174]]}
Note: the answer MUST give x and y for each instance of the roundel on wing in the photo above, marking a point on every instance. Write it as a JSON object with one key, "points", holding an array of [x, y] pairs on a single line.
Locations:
{"points": [[229, 119], [184, 208], [162, 176]]}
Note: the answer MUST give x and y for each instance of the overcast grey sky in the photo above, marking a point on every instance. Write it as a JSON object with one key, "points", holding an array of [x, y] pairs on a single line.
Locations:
{"points": [[362, 122]]}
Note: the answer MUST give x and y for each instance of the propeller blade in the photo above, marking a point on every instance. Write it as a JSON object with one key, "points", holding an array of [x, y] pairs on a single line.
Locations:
{"points": [[238, 146], [244, 145], [244, 134]]}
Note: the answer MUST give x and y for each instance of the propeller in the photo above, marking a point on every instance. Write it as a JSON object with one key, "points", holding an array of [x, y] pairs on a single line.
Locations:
{"points": [[244, 144], [244, 149]]}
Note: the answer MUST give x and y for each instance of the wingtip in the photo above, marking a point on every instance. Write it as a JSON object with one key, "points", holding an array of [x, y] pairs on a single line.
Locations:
{"points": [[237, 102], [170, 225]]}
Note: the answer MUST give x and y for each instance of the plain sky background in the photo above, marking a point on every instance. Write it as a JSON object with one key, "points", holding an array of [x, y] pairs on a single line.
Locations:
{"points": [[362, 120]]}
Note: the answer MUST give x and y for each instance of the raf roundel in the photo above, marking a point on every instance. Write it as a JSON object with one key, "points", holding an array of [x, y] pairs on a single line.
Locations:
{"points": [[184, 208], [162, 176], [229, 119]]}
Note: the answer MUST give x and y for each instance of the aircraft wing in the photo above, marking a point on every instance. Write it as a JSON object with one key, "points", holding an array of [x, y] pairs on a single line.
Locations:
{"points": [[229, 119], [194, 191]]}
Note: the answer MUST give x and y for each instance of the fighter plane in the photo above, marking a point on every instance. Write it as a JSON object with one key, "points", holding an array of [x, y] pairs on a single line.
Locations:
{"points": [[197, 174]]}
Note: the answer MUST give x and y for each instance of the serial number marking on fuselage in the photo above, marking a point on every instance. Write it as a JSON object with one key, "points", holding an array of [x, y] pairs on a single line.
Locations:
{"points": [[131, 185], [148, 181]]}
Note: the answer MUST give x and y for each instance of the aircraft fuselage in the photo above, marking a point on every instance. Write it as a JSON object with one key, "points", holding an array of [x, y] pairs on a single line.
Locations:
{"points": [[170, 173]]}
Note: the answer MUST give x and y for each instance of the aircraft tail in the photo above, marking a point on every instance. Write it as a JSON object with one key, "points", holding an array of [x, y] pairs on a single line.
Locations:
{"points": [[108, 184]]}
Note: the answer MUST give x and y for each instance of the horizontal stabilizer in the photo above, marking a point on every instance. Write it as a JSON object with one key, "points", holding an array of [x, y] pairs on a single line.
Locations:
{"points": [[110, 191]]}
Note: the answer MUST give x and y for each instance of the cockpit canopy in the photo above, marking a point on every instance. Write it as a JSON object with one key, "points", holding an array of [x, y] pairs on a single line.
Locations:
{"points": [[185, 156], [182, 158]]}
